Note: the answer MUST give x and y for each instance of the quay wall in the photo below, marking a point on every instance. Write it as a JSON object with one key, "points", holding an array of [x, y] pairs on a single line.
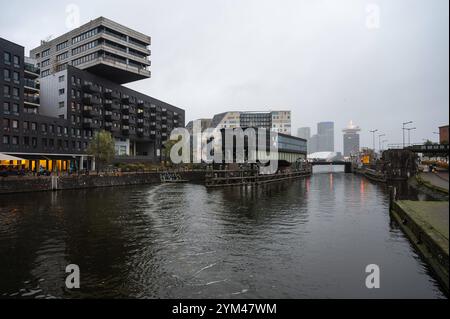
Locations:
{"points": [[427, 240], [15, 184]]}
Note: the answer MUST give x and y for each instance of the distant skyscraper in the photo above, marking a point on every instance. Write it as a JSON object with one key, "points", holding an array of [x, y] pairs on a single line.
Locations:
{"points": [[351, 139], [312, 144], [325, 137], [304, 132]]}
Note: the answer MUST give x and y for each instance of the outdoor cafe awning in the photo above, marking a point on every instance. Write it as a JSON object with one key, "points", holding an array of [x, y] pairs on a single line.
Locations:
{"points": [[5, 157]]}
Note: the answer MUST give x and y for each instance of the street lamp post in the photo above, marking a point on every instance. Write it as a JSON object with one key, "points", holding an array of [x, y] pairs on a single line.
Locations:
{"points": [[409, 129], [403, 131], [382, 143], [437, 133], [379, 140], [373, 138]]}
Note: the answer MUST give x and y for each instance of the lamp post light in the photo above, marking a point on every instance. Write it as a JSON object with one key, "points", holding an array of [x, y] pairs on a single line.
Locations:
{"points": [[409, 129], [403, 131], [373, 138], [379, 140], [382, 143], [438, 134]]}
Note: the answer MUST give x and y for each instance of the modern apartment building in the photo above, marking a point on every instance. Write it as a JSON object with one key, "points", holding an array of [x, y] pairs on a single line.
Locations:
{"points": [[278, 121], [49, 114], [203, 124], [102, 47], [351, 139], [22, 127], [139, 123]]}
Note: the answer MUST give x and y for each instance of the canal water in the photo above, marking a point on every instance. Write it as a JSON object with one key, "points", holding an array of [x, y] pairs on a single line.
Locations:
{"points": [[311, 238]]}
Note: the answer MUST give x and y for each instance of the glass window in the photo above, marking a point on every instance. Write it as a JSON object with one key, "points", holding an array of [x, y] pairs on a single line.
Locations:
{"points": [[7, 74], [7, 57]]}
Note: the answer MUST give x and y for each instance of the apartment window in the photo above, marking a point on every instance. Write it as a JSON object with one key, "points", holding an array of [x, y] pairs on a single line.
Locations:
{"points": [[7, 74], [45, 73], [6, 108], [61, 104], [51, 142], [16, 60], [6, 125], [51, 128], [84, 36], [61, 67], [16, 76], [62, 45], [44, 142], [33, 126], [61, 79], [15, 140], [85, 59], [7, 58], [5, 139], [15, 108], [45, 63], [62, 56], [26, 125], [44, 128], [84, 47], [7, 90], [15, 92], [26, 140], [45, 53], [61, 91], [37, 56], [15, 124], [34, 141]]}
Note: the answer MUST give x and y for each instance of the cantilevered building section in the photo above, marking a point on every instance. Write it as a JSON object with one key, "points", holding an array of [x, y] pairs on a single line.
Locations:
{"points": [[101, 46]]}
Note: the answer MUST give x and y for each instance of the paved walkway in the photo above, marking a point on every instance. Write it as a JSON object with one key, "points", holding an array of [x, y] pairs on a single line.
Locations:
{"points": [[439, 179]]}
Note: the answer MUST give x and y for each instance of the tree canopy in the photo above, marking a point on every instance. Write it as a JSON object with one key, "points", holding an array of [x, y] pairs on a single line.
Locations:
{"points": [[102, 147]]}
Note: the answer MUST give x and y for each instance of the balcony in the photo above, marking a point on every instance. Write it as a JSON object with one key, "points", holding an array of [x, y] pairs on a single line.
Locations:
{"points": [[125, 99], [109, 126], [142, 123], [90, 88], [91, 100], [31, 84], [125, 109], [30, 68], [125, 119], [31, 99], [89, 124], [142, 114], [112, 95], [142, 132], [89, 111], [110, 116]]}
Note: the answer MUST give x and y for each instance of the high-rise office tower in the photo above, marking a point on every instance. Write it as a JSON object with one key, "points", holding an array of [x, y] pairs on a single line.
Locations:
{"points": [[351, 139], [325, 137], [304, 132]]}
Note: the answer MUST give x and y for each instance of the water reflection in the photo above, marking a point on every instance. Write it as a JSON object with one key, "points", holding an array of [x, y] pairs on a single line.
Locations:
{"points": [[309, 238]]}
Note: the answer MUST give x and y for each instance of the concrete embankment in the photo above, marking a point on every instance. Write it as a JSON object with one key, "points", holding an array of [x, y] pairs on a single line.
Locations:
{"points": [[11, 185], [426, 223]]}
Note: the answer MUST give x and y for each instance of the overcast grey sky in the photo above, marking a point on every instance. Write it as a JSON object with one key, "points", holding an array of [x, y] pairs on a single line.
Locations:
{"points": [[324, 60]]}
